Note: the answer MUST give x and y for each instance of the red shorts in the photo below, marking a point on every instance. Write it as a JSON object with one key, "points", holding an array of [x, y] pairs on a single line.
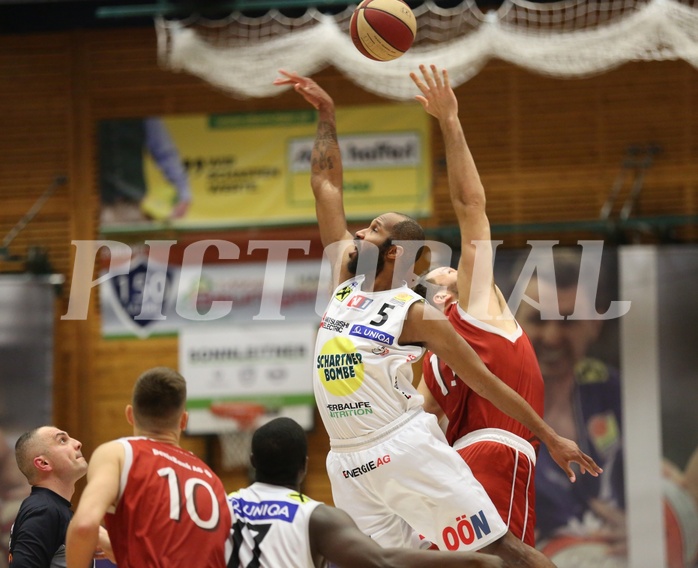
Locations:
{"points": [[507, 475]]}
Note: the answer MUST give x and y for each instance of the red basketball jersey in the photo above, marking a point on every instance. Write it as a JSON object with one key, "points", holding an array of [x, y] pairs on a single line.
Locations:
{"points": [[510, 357], [172, 510]]}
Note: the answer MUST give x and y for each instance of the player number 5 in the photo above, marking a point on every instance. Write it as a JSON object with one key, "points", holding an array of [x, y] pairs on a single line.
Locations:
{"points": [[383, 313]]}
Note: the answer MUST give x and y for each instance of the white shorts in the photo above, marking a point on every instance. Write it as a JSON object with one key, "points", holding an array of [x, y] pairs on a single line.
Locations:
{"points": [[406, 478]]}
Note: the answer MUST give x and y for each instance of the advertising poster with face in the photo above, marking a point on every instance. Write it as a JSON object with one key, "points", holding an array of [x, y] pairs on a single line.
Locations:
{"points": [[612, 330]]}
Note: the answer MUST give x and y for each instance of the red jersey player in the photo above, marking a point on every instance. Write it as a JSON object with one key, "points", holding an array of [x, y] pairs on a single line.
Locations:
{"points": [[499, 450], [162, 505]]}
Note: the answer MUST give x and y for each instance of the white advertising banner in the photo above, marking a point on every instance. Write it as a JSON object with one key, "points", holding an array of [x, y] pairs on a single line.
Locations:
{"points": [[152, 298], [263, 363]]}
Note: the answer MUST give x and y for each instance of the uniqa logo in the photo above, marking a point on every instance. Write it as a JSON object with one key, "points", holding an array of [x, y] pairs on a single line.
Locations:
{"points": [[264, 510]]}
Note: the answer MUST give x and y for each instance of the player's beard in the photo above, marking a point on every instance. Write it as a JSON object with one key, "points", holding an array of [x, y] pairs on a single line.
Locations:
{"points": [[375, 253]]}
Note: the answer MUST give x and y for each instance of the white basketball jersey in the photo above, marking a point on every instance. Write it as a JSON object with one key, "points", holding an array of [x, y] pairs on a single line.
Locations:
{"points": [[363, 376], [270, 527]]}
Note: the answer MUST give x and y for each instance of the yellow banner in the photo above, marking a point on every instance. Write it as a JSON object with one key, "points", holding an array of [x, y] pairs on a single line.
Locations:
{"points": [[254, 168]]}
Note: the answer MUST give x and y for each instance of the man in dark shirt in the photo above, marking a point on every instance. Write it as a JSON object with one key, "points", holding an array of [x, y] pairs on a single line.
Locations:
{"points": [[52, 463]]}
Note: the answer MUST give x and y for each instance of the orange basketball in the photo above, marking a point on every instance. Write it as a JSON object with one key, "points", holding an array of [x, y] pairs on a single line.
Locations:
{"points": [[383, 30]]}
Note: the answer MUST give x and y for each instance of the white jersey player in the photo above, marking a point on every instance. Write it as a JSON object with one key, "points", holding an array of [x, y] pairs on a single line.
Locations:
{"points": [[421, 481], [363, 375], [275, 525], [280, 513]]}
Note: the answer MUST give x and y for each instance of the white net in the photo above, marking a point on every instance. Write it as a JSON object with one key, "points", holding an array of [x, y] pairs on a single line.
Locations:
{"points": [[241, 419], [568, 39], [235, 448]]}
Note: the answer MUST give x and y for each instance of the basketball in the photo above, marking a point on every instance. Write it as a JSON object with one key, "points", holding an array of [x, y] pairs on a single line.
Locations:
{"points": [[383, 30]]}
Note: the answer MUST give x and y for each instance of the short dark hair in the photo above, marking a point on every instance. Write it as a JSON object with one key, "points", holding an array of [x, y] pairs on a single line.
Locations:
{"points": [[159, 398], [409, 231], [279, 452], [25, 450]]}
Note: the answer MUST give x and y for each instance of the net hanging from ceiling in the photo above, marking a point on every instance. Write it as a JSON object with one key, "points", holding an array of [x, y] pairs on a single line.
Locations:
{"points": [[566, 39]]}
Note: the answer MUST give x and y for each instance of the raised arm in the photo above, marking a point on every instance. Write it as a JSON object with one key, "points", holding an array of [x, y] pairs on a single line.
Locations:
{"points": [[326, 160], [325, 174], [428, 326], [102, 490], [335, 537], [166, 155], [476, 290]]}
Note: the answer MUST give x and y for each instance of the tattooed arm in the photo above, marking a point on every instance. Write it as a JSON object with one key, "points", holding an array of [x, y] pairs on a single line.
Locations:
{"points": [[326, 164], [326, 160]]}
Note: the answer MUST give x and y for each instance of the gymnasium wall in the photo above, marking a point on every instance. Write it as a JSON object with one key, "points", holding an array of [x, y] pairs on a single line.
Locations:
{"points": [[548, 151]]}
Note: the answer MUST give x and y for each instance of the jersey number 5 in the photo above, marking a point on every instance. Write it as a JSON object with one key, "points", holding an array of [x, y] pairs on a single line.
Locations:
{"points": [[383, 313]]}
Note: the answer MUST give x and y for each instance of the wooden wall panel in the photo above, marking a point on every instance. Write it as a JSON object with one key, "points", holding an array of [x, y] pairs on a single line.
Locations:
{"points": [[548, 150], [35, 133]]}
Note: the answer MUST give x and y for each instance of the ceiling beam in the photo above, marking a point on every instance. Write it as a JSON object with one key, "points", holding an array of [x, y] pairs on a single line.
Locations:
{"points": [[168, 8]]}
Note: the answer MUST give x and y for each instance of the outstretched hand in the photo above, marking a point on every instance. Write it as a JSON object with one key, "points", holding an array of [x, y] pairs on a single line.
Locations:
{"points": [[437, 97], [565, 452], [309, 89]]}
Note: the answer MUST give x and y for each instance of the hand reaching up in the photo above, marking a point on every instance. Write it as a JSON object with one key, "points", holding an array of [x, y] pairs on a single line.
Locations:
{"points": [[309, 89]]}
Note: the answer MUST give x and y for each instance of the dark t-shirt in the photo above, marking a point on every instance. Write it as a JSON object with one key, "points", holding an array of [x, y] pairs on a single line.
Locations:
{"points": [[37, 539], [597, 412]]}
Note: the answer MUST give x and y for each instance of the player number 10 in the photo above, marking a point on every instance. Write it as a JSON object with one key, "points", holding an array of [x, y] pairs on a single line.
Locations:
{"points": [[189, 488]]}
